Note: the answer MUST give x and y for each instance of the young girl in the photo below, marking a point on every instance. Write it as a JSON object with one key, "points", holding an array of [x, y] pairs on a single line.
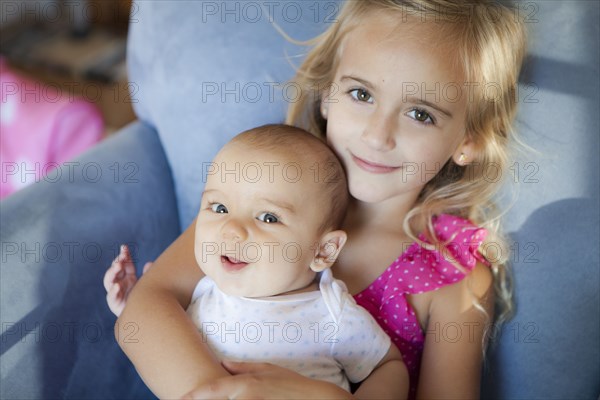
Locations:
{"points": [[417, 100]]}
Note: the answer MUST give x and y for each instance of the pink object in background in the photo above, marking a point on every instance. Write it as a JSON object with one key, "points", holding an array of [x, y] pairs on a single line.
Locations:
{"points": [[40, 127]]}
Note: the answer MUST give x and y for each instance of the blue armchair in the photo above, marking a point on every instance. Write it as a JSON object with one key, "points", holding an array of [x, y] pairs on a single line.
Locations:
{"points": [[203, 71]]}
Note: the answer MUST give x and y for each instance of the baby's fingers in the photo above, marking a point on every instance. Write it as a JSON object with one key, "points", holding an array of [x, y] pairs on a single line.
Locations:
{"points": [[113, 274], [115, 298], [126, 260]]}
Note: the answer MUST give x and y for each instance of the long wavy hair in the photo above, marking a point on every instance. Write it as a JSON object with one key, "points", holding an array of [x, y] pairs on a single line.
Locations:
{"points": [[490, 41]]}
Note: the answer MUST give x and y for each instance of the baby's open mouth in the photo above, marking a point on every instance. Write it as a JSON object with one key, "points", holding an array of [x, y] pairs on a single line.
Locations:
{"points": [[232, 264]]}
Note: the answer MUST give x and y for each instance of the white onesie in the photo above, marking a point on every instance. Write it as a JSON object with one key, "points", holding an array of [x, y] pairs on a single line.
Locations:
{"points": [[321, 334]]}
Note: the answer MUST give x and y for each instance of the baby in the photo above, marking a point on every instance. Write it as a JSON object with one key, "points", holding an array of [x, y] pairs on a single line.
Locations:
{"points": [[265, 239]]}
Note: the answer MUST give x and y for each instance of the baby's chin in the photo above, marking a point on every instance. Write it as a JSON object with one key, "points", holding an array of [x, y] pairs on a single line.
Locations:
{"points": [[243, 291]]}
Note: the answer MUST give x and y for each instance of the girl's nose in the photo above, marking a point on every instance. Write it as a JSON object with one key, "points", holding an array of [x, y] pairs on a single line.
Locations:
{"points": [[234, 230], [379, 134]]}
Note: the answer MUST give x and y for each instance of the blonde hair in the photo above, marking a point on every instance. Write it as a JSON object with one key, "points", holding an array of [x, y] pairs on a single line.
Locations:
{"points": [[490, 42]]}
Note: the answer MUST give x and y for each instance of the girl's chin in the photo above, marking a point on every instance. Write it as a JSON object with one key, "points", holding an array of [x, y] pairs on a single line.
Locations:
{"points": [[367, 194], [373, 194]]}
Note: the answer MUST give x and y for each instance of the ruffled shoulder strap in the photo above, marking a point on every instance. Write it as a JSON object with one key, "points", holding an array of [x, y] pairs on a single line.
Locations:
{"points": [[421, 269], [461, 239]]}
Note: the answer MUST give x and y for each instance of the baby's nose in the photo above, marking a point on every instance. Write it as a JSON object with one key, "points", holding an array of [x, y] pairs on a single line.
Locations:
{"points": [[234, 230]]}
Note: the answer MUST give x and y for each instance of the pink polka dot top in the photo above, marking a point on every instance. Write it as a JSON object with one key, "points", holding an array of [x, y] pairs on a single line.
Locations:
{"points": [[419, 270]]}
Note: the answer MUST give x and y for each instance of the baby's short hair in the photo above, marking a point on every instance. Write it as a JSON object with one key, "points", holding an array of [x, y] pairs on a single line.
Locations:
{"points": [[309, 150]]}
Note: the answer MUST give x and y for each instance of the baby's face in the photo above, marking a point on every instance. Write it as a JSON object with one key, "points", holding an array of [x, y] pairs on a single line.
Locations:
{"points": [[258, 223]]}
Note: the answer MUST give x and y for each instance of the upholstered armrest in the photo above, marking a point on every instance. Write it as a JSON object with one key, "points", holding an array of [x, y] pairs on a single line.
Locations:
{"points": [[58, 237]]}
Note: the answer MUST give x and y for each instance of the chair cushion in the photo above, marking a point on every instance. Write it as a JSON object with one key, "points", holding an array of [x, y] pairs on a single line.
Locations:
{"points": [[58, 237], [202, 80], [550, 349]]}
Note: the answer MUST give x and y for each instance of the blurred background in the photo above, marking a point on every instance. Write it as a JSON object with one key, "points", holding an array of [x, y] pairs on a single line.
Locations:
{"points": [[64, 81]]}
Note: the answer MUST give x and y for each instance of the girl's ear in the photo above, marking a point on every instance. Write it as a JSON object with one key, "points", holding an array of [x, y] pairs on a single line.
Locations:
{"points": [[324, 107], [325, 99], [328, 249], [466, 153]]}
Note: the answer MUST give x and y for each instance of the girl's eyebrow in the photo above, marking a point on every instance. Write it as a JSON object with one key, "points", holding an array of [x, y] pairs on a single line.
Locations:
{"points": [[357, 79]]}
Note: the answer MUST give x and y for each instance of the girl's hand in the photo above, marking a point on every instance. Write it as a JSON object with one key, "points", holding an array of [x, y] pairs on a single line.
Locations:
{"points": [[119, 279], [266, 381]]}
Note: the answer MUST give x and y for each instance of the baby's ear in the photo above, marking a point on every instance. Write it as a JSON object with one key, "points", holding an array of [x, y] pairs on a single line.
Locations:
{"points": [[328, 249]]}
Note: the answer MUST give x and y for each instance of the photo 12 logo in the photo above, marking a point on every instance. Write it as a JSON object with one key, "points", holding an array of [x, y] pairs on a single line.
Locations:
{"points": [[252, 12], [50, 332], [25, 172], [252, 252], [269, 332], [70, 12], [253, 172]]}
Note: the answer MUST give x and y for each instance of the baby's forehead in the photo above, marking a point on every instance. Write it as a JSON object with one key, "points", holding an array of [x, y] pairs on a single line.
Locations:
{"points": [[299, 152], [304, 167]]}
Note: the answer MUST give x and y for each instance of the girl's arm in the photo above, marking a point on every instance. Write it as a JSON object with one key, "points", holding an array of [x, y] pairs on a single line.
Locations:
{"points": [[267, 381], [451, 364], [156, 333], [389, 380]]}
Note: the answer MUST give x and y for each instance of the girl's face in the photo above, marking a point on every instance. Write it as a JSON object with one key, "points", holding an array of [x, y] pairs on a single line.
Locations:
{"points": [[396, 110]]}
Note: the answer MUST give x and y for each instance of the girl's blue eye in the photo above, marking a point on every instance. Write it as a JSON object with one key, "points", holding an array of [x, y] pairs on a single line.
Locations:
{"points": [[421, 116], [268, 218], [361, 95], [219, 208]]}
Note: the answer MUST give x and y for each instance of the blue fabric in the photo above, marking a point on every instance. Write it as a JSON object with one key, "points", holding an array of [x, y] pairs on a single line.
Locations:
{"points": [[206, 71], [551, 349], [58, 237]]}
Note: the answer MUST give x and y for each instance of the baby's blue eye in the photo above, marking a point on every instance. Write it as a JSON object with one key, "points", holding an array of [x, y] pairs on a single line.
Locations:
{"points": [[219, 208], [421, 116], [268, 218], [361, 95]]}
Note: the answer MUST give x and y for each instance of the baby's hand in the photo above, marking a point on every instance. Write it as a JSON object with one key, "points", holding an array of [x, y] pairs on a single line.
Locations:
{"points": [[119, 279]]}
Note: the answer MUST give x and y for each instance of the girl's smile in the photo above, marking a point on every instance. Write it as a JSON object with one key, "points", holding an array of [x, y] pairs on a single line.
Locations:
{"points": [[373, 167]]}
